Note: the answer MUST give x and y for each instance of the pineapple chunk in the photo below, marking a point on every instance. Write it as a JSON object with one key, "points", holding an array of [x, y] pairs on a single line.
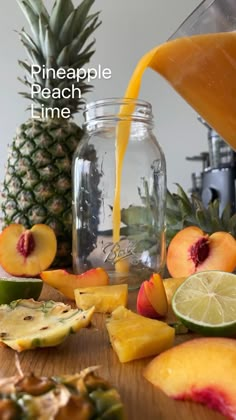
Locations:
{"points": [[133, 336], [26, 324], [103, 298]]}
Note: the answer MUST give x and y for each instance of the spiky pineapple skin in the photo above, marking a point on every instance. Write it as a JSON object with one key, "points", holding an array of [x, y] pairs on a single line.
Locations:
{"points": [[37, 184], [81, 396]]}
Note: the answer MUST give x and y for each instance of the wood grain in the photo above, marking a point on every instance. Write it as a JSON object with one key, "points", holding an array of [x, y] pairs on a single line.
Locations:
{"points": [[91, 347]]}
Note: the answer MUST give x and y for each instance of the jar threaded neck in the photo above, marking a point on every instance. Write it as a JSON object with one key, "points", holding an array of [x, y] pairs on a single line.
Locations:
{"points": [[118, 109]]}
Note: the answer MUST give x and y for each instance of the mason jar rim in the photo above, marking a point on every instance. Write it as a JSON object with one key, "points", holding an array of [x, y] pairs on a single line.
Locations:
{"points": [[108, 109], [118, 101]]}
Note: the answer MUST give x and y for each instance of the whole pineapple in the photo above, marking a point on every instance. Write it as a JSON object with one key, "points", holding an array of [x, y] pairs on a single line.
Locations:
{"points": [[37, 184]]}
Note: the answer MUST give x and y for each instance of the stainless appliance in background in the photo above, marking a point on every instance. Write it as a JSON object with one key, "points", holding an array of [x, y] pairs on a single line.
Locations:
{"points": [[218, 176]]}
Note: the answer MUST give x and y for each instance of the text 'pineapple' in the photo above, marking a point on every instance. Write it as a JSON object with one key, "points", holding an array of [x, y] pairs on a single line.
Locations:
{"points": [[77, 74]]}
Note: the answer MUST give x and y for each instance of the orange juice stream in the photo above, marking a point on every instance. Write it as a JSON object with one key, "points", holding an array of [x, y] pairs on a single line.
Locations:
{"points": [[202, 69], [122, 138]]}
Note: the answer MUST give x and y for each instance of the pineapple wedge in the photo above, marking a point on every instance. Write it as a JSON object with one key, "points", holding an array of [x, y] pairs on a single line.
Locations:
{"points": [[103, 298], [133, 336], [27, 324]]}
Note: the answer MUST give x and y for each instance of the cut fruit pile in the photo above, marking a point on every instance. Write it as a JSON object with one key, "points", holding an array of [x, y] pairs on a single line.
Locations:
{"points": [[206, 303], [81, 396], [27, 324], [19, 288]]}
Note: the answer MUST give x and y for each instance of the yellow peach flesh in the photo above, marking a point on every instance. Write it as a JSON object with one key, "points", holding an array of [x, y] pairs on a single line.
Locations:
{"points": [[202, 370], [178, 262], [222, 255], [191, 250], [38, 259], [66, 282]]}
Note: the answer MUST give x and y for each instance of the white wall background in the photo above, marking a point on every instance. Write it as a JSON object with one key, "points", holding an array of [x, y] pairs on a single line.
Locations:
{"points": [[130, 28]]}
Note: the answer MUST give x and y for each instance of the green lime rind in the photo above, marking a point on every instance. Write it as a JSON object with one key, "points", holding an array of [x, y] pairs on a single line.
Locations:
{"points": [[19, 288], [210, 295], [208, 331]]}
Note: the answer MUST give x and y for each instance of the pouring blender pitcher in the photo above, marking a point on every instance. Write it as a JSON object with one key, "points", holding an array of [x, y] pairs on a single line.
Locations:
{"points": [[199, 61]]}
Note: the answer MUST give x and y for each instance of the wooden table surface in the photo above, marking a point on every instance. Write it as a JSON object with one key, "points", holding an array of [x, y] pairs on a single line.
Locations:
{"points": [[91, 347]]}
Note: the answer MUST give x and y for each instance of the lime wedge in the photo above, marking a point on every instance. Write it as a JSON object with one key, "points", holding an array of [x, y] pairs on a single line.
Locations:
{"points": [[19, 288], [206, 303]]}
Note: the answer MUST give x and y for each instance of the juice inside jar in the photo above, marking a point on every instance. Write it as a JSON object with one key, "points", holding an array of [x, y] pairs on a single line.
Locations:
{"points": [[202, 69]]}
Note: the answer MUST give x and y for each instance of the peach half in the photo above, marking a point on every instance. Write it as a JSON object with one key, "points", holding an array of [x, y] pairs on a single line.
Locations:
{"points": [[67, 282], [152, 300], [191, 250], [202, 370], [26, 252]]}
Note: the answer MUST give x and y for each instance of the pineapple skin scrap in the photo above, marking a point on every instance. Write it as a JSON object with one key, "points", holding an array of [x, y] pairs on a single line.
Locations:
{"points": [[30, 324], [133, 336]]}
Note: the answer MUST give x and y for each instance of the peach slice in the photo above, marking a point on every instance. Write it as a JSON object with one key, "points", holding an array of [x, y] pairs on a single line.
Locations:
{"points": [[202, 370], [66, 282], [152, 300], [156, 294], [144, 307], [26, 252], [191, 250]]}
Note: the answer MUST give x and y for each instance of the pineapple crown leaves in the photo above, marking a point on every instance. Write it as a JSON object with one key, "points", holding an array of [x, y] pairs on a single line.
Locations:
{"points": [[182, 211], [57, 40]]}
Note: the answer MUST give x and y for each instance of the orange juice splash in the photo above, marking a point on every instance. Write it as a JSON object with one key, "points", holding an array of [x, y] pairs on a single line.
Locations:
{"points": [[202, 69]]}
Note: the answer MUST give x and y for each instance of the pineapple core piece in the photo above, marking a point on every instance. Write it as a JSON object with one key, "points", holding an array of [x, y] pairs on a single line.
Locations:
{"points": [[133, 336], [103, 298], [26, 324]]}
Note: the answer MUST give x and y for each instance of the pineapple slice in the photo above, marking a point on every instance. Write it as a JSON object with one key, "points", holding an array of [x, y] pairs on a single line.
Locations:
{"points": [[104, 298], [133, 336], [26, 324], [81, 396]]}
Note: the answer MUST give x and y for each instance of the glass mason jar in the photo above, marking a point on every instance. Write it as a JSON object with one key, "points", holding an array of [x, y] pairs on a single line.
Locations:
{"points": [[119, 184]]}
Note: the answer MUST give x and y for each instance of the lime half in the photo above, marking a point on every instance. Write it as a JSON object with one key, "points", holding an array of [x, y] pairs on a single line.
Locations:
{"points": [[206, 303], [19, 288]]}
